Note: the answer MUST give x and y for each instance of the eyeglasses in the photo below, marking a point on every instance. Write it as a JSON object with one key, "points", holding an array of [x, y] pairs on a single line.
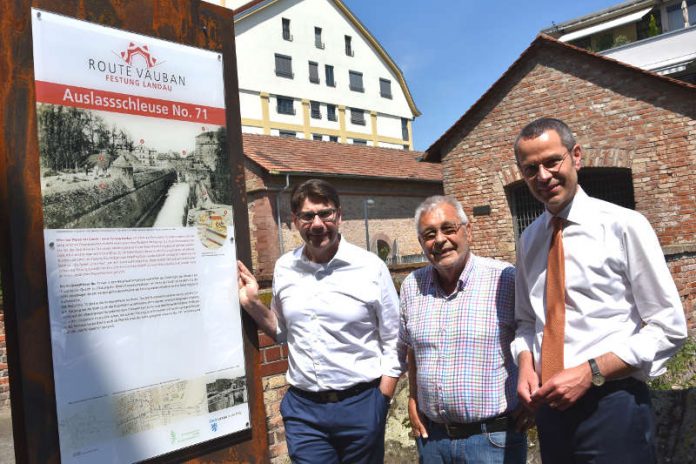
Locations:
{"points": [[447, 229], [552, 165], [325, 215]]}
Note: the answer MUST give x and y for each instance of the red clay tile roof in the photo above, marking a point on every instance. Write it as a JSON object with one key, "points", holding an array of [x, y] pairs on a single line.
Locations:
{"points": [[299, 156]]}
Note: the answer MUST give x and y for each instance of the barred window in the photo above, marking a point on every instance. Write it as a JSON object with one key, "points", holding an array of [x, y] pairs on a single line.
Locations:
{"points": [[609, 184]]}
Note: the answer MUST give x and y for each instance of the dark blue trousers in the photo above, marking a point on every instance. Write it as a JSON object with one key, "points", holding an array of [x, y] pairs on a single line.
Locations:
{"points": [[347, 431], [610, 424]]}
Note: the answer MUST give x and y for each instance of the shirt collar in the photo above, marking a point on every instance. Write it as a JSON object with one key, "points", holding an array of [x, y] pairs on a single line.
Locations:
{"points": [[463, 279], [575, 212], [343, 256]]}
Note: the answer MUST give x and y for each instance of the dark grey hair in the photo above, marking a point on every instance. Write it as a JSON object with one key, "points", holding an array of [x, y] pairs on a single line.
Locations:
{"points": [[431, 203], [535, 128]]}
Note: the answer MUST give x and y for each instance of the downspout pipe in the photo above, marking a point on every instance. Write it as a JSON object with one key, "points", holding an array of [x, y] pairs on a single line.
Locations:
{"points": [[280, 226]]}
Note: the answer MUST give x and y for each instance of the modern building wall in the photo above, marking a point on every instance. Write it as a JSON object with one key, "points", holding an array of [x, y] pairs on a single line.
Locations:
{"points": [[658, 36]]}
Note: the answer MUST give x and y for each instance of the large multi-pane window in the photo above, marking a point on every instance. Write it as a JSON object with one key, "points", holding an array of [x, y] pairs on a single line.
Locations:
{"points": [[313, 72], [285, 105], [356, 81], [283, 65]]}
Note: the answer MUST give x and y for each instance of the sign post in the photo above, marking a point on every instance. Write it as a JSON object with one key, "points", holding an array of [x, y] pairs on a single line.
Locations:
{"points": [[123, 215]]}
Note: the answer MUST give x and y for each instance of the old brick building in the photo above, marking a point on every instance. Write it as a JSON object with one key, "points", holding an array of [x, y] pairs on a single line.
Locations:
{"points": [[381, 184], [638, 131], [384, 185]]}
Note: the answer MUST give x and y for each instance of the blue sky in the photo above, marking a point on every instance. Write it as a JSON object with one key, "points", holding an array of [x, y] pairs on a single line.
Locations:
{"points": [[452, 51]]}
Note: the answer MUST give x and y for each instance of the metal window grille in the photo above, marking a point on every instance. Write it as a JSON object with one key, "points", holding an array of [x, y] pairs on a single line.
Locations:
{"points": [[317, 38], [331, 112], [614, 185], [329, 75], [385, 88], [315, 109], [610, 184], [286, 30], [313, 72], [357, 116], [285, 105], [356, 81], [283, 65]]}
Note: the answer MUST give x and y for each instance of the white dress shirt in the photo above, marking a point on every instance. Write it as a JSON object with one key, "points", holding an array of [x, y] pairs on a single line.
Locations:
{"points": [[340, 319], [620, 296]]}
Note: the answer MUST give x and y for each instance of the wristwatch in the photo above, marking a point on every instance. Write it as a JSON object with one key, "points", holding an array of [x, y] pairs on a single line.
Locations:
{"points": [[597, 377]]}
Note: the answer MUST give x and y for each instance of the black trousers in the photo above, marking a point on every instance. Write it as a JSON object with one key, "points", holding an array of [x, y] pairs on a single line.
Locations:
{"points": [[611, 424]]}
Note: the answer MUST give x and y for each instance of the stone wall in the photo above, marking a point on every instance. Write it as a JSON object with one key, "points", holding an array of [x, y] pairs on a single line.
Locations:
{"points": [[106, 203]]}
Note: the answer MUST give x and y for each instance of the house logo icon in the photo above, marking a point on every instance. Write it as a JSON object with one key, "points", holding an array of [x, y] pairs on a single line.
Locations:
{"points": [[142, 51]]}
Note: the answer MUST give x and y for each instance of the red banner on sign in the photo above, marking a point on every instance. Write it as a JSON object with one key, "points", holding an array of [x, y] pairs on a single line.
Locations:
{"points": [[101, 100]]}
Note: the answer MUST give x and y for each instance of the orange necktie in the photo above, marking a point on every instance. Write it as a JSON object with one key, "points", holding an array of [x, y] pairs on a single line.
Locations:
{"points": [[552, 343]]}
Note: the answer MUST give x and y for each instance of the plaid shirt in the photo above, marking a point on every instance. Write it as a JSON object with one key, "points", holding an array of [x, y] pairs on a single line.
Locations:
{"points": [[465, 372]]}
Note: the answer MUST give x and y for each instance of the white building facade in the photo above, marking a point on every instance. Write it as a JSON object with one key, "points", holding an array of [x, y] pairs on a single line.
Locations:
{"points": [[655, 35], [309, 69]]}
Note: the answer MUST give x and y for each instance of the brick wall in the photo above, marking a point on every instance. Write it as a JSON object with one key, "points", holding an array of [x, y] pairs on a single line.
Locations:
{"points": [[390, 219], [621, 116]]}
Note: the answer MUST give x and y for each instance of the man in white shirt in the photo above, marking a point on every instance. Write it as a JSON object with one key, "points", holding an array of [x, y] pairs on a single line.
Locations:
{"points": [[336, 306], [620, 313]]}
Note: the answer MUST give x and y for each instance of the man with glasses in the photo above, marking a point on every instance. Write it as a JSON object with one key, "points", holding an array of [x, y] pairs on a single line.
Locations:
{"points": [[597, 311], [336, 306], [457, 323]]}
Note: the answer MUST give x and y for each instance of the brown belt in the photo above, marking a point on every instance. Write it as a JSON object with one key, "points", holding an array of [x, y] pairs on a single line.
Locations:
{"points": [[333, 396], [465, 430]]}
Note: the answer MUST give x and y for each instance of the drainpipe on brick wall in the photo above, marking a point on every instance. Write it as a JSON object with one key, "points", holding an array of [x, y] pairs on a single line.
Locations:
{"points": [[280, 226]]}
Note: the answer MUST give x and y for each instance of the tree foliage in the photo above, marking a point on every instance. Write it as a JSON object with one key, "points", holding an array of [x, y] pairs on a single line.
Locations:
{"points": [[68, 136]]}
